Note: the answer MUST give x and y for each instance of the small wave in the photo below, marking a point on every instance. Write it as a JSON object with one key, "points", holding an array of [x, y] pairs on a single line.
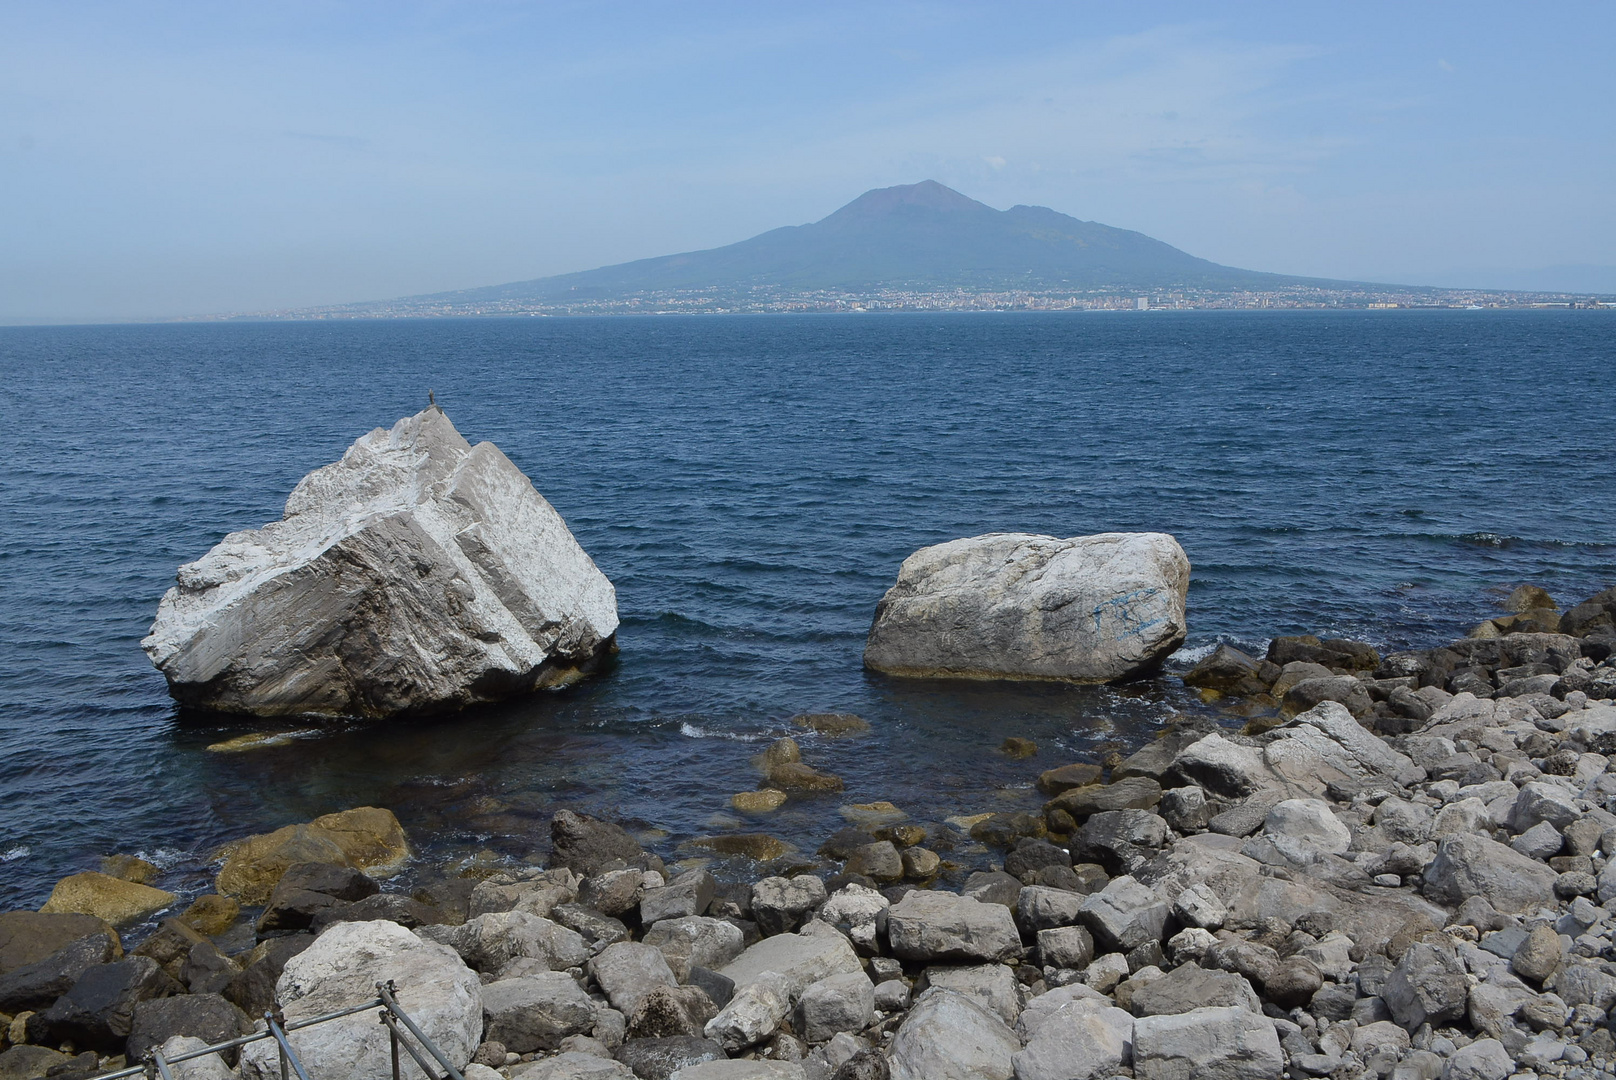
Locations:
{"points": [[694, 731], [12, 855], [1194, 654], [164, 858]]}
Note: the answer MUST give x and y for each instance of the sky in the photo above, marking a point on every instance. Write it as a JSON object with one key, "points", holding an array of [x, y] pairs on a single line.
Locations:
{"points": [[161, 159]]}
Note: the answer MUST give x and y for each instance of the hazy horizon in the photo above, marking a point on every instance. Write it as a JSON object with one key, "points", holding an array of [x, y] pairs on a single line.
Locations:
{"points": [[159, 163]]}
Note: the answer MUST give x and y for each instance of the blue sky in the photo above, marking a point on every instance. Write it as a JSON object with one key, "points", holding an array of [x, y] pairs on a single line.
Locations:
{"points": [[160, 159]]}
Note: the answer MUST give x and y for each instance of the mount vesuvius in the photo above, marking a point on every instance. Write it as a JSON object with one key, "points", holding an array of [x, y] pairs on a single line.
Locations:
{"points": [[920, 237]]}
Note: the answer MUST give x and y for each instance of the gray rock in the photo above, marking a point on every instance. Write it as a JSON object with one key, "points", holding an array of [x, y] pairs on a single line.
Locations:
{"points": [[1081, 1039], [571, 1066], [684, 896], [1538, 955], [340, 970], [208, 1017], [1185, 809], [538, 896], [536, 1012], [206, 970], [879, 861], [1582, 983], [844, 1002], [1066, 947], [781, 904], [1120, 840], [892, 996], [1333, 721], [628, 971], [696, 941], [816, 952], [1220, 766], [658, 1059], [1304, 830], [742, 1070], [208, 1067], [671, 1011], [1129, 793], [34, 986], [993, 887], [753, 1014], [1377, 1037], [1294, 983], [1124, 915], [1428, 985], [588, 845], [490, 942], [1207, 1044], [1542, 802], [594, 927], [860, 912], [98, 1012], [1106, 972], [1484, 1059], [25, 1062], [1199, 906], [1470, 865], [316, 613], [1190, 986], [931, 926], [946, 1036], [1014, 605], [1039, 908], [1462, 816], [611, 892], [1344, 690], [992, 986], [718, 988], [1539, 842]]}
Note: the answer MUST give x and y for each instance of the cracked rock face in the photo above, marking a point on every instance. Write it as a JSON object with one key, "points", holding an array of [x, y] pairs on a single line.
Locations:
{"points": [[1019, 606], [417, 574]]}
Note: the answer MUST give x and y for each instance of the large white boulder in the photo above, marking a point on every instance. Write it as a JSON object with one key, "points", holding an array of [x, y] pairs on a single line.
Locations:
{"points": [[340, 970], [1020, 606], [417, 574]]}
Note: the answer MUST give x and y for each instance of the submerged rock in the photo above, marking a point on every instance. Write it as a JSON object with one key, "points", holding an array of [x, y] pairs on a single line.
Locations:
{"points": [[417, 574], [1019, 606]]}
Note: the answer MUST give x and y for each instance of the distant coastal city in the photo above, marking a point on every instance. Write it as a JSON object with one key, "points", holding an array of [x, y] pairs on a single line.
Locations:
{"points": [[766, 299]]}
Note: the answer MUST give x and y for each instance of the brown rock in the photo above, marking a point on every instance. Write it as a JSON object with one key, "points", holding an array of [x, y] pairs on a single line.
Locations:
{"points": [[1133, 793], [27, 937], [1017, 747], [130, 868], [1527, 597], [117, 901], [758, 846], [799, 777], [879, 861], [757, 802], [903, 836], [1056, 781], [921, 864], [832, 724], [211, 914], [368, 837], [781, 752]]}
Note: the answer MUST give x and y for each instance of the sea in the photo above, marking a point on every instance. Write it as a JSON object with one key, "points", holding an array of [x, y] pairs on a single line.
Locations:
{"points": [[751, 484]]}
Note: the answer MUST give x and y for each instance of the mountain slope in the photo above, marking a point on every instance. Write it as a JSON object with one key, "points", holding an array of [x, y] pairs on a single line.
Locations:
{"points": [[923, 236]]}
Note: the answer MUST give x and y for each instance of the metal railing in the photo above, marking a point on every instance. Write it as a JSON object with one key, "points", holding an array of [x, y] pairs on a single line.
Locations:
{"points": [[156, 1065]]}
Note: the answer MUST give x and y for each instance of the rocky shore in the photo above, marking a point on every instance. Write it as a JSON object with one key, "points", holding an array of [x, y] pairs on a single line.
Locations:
{"points": [[1399, 866]]}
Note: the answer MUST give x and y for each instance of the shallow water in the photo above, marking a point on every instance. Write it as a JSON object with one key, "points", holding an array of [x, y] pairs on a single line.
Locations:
{"points": [[750, 485]]}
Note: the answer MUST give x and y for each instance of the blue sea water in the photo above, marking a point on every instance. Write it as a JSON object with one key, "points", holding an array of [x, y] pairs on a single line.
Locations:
{"points": [[751, 484]]}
